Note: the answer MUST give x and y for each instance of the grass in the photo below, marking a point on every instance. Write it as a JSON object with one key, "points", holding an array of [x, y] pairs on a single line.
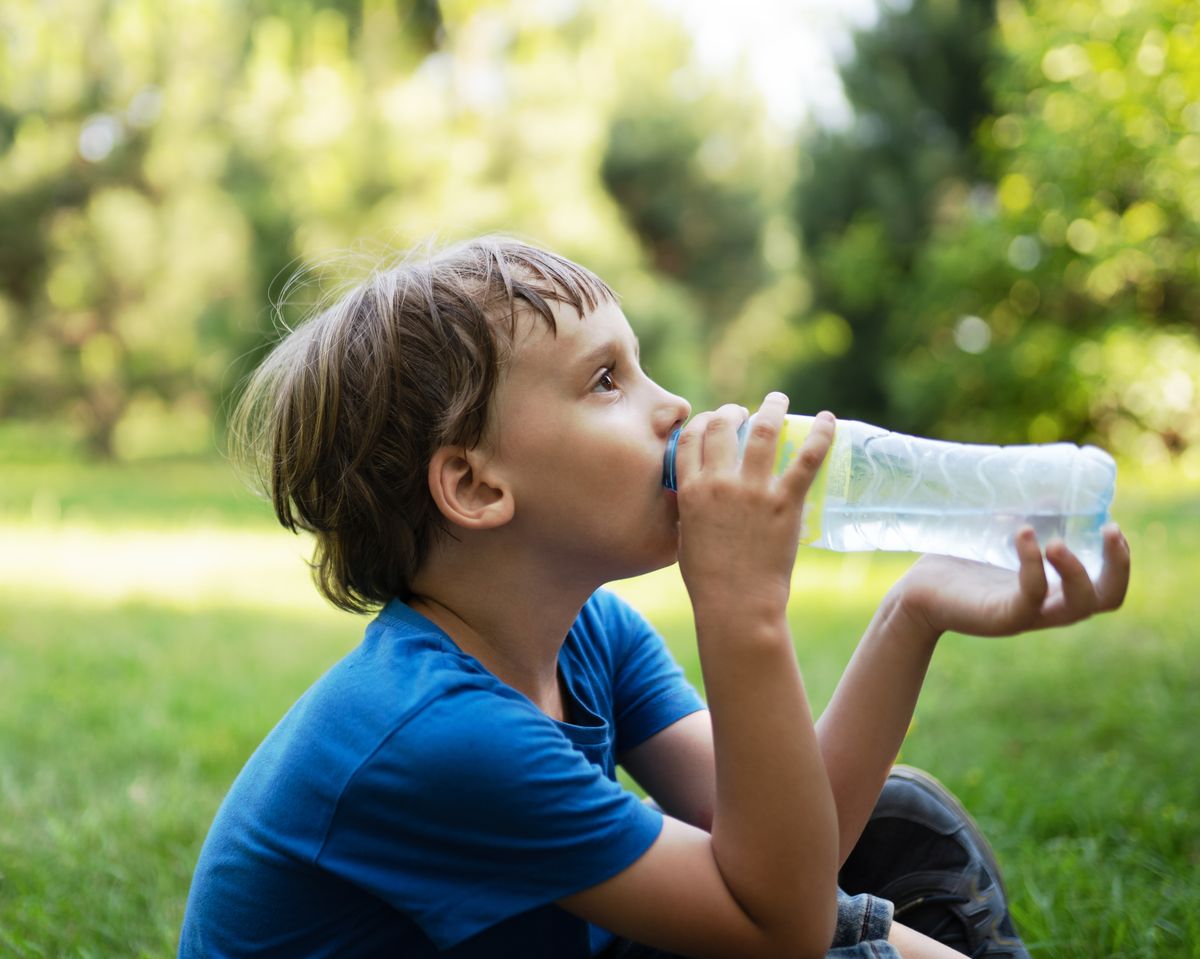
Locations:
{"points": [[153, 628]]}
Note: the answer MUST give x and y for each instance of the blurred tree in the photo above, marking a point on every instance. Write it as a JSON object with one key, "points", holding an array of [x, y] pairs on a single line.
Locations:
{"points": [[701, 177], [99, 324], [162, 171], [1012, 247], [1066, 307], [1003, 245], [869, 196], [668, 167]]}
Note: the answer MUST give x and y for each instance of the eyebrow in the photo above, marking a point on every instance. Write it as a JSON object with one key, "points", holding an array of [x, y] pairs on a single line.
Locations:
{"points": [[607, 349]]}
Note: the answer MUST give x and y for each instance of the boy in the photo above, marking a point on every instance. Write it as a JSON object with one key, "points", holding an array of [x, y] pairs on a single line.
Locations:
{"points": [[474, 445]]}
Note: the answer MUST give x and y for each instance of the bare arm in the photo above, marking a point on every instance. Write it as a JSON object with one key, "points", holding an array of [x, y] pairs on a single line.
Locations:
{"points": [[862, 729], [678, 769], [763, 882], [860, 733], [863, 726]]}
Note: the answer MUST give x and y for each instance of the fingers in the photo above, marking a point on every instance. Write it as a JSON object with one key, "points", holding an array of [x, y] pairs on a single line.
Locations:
{"points": [[1114, 577], [1076, 597], [709, 441], [720, 437], [1078, 593], [798, 477], [687, 448], [763, 441], [1031, 575]]}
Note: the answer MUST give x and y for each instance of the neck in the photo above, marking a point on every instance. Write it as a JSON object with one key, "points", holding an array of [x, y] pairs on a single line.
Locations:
{"points": [[512, 618]]}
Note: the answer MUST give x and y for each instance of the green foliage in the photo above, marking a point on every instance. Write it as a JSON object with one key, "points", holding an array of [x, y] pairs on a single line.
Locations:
{"points": [[868, 198], [1001, 247], [1033, 276], [1082, 267], [164, 171], [681, 182]]}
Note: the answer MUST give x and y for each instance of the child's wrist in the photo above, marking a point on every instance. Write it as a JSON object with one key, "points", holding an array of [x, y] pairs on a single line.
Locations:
{"points": [[751, 601], [908, 609], [737, 623]]}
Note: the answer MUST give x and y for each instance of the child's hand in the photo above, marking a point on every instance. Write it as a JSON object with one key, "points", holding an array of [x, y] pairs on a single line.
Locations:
{"points": [[739, 524], [982, 600]]}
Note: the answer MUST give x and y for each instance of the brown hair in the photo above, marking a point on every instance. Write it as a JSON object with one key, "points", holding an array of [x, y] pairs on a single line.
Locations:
{"points": [[342, 418]]}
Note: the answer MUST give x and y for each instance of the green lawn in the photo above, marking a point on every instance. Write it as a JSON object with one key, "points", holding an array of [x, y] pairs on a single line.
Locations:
{"points": [[132, 690]]}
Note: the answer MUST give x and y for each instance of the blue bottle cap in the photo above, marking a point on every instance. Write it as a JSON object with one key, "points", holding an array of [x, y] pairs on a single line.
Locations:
{"points": [[668, 478]]}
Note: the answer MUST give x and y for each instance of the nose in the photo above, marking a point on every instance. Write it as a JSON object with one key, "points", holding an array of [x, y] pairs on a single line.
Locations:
{"points": [[672, 412]]}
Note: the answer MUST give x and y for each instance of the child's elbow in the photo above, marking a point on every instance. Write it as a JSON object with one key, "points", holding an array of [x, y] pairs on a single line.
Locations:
{"points": [[812, 937], [818, 944], [818, 941], [809, 943], [814, 952]]}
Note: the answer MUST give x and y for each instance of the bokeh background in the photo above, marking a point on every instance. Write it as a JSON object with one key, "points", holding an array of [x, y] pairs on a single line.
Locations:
{"points": [[994, 237], [960, 218]]}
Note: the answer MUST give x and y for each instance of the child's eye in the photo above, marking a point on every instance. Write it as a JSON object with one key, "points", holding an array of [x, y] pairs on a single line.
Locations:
{"points": [[605, 383]]}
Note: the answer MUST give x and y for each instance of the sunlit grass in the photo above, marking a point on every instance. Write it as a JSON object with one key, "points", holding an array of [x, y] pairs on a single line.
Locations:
{"points": [[122, 725], [192, 568], [170, 492], [146, 648]]}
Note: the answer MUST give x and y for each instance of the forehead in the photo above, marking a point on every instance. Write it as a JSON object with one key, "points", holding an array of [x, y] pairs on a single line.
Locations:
{"points": [[536, 346]]}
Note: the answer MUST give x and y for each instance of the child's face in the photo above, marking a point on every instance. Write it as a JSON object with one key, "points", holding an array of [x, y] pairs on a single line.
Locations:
{"points": [[579, 431]]}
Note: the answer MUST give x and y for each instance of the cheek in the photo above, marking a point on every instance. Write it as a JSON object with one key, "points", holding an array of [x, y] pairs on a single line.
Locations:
{"points": [[532, 451], [606, 462], [638, 459]]}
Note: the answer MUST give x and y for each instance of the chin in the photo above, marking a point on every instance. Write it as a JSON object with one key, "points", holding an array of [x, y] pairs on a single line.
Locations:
{"points": [[655, 558], [668, 555]]}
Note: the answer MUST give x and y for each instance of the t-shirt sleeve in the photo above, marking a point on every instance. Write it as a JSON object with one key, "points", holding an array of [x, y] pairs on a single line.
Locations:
{"points": [[650, 690], [479, 809]]}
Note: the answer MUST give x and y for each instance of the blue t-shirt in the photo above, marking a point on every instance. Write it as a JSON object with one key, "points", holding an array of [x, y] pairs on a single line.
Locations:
{"points": [[410, 802]]}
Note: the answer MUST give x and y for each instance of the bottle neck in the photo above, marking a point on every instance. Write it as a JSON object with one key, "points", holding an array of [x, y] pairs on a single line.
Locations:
{"points": [[668, 477]]}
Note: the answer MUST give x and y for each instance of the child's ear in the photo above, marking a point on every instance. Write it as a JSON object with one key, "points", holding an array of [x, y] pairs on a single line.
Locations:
{"points": [[466, 493]]}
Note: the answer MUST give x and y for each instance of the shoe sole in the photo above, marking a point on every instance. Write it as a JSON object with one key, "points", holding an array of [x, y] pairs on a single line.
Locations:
{"points": [[922, 779]]}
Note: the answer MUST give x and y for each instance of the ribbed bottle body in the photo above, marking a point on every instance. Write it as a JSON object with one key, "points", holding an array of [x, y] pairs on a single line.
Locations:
{"points": [[888, 491]]}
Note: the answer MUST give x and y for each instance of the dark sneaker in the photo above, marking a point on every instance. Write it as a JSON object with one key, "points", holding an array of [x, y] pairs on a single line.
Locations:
{"points": [[924, 852]]}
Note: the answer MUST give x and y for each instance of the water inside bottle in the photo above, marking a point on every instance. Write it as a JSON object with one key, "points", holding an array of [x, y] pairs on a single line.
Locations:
{"points": [[988, 538]]}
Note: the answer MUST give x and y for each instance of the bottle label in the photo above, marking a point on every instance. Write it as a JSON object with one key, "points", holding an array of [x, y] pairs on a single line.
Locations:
{"points": [[791, 438]]}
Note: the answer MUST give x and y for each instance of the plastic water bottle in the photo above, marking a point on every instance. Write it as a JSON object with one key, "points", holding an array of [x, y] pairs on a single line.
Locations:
{"points": [[887, 491]]}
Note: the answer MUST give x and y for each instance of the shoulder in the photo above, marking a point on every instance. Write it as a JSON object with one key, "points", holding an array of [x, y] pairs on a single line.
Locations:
{"points": [[474, 727], [403, 664], [406, 684], [607, 618], [435, 717], [606, 607], [480, 759]]}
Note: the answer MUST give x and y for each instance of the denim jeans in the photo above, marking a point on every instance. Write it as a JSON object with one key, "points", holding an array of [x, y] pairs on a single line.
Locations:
{"points": [[862, 930]]}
